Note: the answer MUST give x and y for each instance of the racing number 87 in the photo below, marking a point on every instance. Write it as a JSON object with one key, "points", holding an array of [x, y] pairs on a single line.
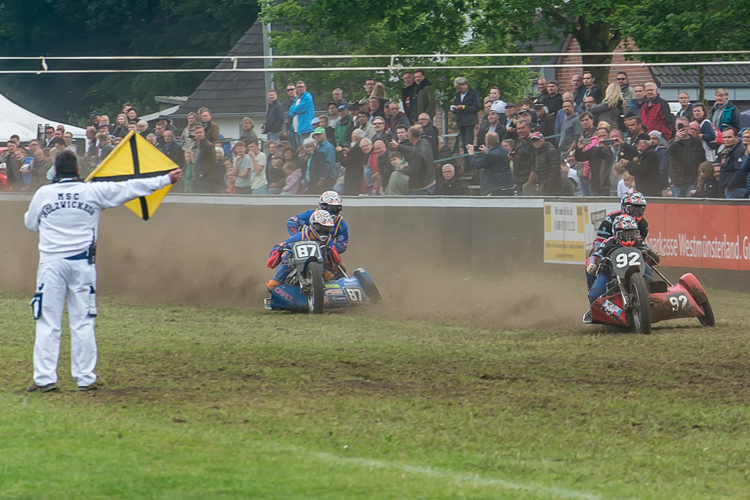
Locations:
{"points": [[305, 251]]}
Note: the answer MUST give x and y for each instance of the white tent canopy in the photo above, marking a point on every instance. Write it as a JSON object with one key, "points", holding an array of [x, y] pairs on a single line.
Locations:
{"points": [[17, 120]]}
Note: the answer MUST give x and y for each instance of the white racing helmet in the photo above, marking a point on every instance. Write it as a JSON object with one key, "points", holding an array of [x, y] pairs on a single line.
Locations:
{"points": [[321, 223], [330, 201]]}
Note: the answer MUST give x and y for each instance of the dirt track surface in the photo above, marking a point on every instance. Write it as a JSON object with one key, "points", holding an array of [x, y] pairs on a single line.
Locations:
{"points": [[215, 255]]}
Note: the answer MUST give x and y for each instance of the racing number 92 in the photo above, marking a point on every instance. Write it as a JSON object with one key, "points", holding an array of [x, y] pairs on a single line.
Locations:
{"points": [[630, 259], [305, 251], [678, 302]]}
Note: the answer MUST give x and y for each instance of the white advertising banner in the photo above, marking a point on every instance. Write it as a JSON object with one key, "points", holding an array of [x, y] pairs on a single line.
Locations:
{"points": [[570, 229]]}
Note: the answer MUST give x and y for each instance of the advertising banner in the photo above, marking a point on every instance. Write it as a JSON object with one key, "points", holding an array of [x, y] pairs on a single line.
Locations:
{"points": [[701, 236], [697, 236], [570, 229]]}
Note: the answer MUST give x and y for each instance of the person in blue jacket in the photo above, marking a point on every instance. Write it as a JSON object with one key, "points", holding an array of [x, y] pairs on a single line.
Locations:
{"points": [[330, 201], [301, 114], [320, 229]]}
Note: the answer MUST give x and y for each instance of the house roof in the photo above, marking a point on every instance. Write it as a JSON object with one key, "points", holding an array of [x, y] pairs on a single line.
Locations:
{"points": [[233, 92], [723, 75]]}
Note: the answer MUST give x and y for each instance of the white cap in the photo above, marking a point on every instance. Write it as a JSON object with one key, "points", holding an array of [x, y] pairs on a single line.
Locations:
{"points": [[498, 106]]}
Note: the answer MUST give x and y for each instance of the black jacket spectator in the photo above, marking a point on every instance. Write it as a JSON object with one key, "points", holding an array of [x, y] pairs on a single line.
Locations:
{"points": [[684, 159], [708, 188], [386, 137], [497, 175], [274, 118], [523, 161], [409, 100], [394, 121], [354, 163], [174, 153], [594, 91], [553, 102], [120, 131], [431, 133], [645, 169], [452, 187], [546, 125], [732, 176], [276, 176], [421, 169], [331, 135], [687, 113], [467, 117], [485, 127], [547, 169], [204, 168]]}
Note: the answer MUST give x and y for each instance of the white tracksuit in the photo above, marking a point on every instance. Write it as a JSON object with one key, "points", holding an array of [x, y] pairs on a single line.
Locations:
{"points": [[66, 215]]}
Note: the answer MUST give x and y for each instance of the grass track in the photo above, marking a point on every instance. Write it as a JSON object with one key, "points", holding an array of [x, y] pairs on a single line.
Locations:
{"points": [[207, 403]]}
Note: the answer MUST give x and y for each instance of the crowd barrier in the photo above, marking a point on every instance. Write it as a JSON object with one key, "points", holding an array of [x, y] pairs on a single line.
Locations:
{"points": [[212, 249]]}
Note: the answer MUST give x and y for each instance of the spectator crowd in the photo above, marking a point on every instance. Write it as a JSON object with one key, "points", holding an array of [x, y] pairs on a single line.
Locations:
{"points": [[589, 142]]}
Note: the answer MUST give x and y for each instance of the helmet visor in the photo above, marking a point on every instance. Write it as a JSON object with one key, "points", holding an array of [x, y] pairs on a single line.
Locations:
{"points": [[331, 209], [322, 230], [635, 211], [630, 235]]}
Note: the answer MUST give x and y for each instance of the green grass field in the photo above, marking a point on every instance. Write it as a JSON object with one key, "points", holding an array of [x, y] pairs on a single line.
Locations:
{"points": [[210, 404]]}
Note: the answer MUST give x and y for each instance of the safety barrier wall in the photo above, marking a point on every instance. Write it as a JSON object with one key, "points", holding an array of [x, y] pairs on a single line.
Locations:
{"points": [[212, 249]]}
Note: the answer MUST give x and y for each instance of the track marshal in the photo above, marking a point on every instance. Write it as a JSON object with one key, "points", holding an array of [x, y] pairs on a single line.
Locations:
{"points": [[66, 215]]}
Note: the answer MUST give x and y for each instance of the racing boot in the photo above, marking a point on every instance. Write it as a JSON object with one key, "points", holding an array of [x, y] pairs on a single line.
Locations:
{"points": [[272, 284]]}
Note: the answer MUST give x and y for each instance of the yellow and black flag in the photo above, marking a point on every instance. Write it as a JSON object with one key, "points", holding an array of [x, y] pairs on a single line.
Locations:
{"points": [[136, 158]]}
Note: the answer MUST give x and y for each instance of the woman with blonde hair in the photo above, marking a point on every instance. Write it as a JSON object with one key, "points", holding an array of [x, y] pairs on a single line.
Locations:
{"points": [[121, 126], [610, 109]]}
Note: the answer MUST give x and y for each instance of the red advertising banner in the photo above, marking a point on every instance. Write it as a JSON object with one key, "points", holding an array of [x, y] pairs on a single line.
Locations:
{"points": [[700, 236]]}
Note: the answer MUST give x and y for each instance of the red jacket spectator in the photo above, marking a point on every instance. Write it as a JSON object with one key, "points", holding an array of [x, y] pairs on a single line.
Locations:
{"points": [[655, 115]]}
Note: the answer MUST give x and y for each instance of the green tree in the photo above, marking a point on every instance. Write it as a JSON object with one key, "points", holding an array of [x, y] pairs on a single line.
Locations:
{"points": [[591, 22], [113, 28], [363, 27], [680, 25]]}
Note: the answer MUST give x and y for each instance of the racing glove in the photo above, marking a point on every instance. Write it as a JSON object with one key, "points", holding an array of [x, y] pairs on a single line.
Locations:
{"points": [[335, 255], [592, 265], [275, 258], [653, 255]]}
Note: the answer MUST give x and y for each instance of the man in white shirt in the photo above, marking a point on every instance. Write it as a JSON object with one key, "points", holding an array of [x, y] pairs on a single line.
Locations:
{"points": [[66, 216]]}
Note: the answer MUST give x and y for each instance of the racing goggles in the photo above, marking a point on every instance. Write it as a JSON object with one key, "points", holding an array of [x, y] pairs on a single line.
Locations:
{"points": [[322, 231], [635, 211], [628, 237], [332, 209]]}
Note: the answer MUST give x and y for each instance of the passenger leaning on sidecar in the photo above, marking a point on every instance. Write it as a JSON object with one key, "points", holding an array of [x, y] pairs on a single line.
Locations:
{"points": [[319, 229], [330, 201], [626, 234], [632, 204]]}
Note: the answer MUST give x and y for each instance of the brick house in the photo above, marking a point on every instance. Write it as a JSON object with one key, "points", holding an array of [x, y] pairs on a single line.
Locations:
{"points": [[671, 80]]}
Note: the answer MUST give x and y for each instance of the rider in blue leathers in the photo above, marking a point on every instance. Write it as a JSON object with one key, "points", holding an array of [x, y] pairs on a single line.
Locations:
{"points": [[330, 201], [320, 229]]}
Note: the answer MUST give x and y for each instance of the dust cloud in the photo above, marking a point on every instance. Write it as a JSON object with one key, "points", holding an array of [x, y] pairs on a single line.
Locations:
{"points": [[215, 255]]}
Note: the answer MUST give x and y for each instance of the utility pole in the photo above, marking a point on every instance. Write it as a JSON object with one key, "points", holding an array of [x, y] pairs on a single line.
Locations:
{"points": [[268, 53]]}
